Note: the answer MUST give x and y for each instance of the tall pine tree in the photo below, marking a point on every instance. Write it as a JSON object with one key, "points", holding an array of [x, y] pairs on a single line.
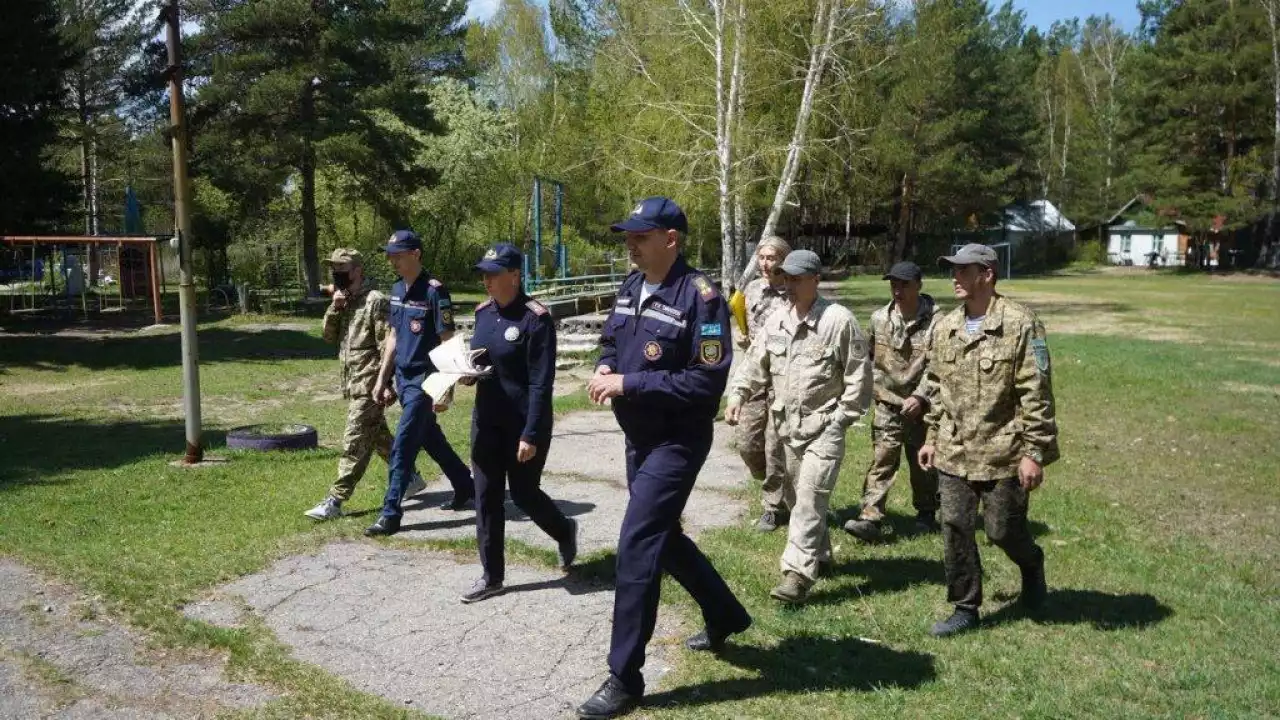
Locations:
{"points": [[34, 195], [296, 85]]}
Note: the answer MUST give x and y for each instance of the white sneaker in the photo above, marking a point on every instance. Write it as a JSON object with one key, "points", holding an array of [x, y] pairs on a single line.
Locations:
{"points": [[416, 485], [327, 510]]}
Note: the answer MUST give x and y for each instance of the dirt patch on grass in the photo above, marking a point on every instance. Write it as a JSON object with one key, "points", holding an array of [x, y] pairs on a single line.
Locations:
{"points": [[60, 657], [1250, 389], [1080, 315], [25, 389]]}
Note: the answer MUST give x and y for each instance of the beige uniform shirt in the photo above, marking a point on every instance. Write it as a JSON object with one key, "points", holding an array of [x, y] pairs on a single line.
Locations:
{"points": [[817, 367], [897, 350], [991, 393], [762, 300], [359, 329]]}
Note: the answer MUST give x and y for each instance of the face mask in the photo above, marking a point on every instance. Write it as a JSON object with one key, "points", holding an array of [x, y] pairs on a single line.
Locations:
{"points": [[341, 279]]}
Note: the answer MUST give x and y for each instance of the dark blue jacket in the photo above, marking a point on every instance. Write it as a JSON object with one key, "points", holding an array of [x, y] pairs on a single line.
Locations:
{"points": [[674, 351], [520, 340], [420, 314]]}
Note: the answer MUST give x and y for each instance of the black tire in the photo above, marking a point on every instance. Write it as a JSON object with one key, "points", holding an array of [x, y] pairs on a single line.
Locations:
{"points": [[272, 437]]}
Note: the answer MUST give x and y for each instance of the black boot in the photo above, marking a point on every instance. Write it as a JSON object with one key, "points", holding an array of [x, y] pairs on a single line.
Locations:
{"points": [[713, 639], [961, 620], [610, 701], [384, 526]]}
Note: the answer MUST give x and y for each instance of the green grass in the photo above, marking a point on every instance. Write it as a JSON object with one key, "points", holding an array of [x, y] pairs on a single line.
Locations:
{"points": [[1160, 523]]}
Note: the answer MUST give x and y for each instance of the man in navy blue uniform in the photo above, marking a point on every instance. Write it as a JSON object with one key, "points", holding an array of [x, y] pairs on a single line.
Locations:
{"points": [[511, 421], [664, 363], [421, 319]]}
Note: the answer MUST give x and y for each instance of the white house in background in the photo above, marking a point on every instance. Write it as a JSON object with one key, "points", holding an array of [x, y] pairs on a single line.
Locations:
{"points": [[1136, 235]]}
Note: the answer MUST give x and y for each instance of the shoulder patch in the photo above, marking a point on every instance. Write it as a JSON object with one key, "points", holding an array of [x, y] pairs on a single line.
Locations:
{"points": [[1040, 349], [537, 307], [704, 286]]}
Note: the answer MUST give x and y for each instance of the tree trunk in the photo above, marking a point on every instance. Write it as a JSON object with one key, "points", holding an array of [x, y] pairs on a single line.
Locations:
{"points": [[307, 166], [824, 27], [902, 243], [1273, 10]]}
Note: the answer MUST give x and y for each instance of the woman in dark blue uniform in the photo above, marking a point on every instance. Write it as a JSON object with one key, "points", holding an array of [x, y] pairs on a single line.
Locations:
{"points": [[511, 423]]}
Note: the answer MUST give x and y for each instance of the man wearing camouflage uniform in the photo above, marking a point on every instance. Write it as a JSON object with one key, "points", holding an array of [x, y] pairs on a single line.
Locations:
{"points": [[898, 333], [755, 437], [356, 321], [991, 431], [813, 356]]}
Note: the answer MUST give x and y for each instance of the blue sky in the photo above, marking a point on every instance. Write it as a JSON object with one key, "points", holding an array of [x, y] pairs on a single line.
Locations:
{"points": [[1041, 13]]}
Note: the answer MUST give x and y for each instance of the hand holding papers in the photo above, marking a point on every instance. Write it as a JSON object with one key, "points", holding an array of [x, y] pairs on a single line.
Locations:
{"points": [[453, 361]]}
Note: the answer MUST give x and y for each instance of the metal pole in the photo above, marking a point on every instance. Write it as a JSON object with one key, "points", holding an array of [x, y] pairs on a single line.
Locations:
{"points": [[182, 217], [562, 255], [537, 231]]}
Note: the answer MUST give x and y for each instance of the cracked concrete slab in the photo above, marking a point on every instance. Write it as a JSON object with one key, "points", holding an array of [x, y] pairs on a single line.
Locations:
{"points": [[58, 659], [586, 477], [389, 621]]}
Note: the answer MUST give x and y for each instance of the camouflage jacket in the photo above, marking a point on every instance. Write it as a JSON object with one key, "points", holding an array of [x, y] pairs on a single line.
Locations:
{"points": [[817, 367], [991, 395], [762, 300], [359, 329], [897, 349]]}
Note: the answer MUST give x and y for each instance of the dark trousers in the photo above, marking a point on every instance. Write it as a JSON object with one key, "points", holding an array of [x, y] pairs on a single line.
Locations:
{"points": [[493, 460], [659, 480], [1004, 517], [419, 430]]}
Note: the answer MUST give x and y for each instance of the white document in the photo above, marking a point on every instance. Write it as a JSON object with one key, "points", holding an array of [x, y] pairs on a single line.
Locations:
{"points": [[454, 358], [453, 361]]}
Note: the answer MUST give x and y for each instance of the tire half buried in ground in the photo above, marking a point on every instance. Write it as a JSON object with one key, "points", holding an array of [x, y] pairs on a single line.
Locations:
{"points": [[284, 436]]}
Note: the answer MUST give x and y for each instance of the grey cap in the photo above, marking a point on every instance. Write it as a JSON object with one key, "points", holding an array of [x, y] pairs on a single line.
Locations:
{"points": [[971, 254], [801, 262], [905, 270]]}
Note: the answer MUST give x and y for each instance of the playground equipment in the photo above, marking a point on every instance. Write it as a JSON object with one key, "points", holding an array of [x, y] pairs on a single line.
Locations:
{"points": [[562, 282], [132, 253]]}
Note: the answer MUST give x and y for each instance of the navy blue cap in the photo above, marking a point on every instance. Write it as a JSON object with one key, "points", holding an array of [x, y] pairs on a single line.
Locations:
{"points": [[403, 241], [655, 213], [503, 256]]}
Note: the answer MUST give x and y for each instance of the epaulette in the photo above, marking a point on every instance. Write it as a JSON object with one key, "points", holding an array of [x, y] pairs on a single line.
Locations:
{"points": [[537, 307], [435, 283], [485, 304]]}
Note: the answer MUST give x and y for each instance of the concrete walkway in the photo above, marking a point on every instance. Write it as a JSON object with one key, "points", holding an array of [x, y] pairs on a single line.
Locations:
{"points": [[389, 621]]}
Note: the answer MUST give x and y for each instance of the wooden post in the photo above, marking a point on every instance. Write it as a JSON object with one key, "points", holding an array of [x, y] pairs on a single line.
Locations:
{"points": [[154, 259]]}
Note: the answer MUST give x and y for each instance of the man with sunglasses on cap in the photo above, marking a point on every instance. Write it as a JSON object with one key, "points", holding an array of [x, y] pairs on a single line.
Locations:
{"points": [[991, 430], [814, 358], [421, 318], [755, 438], [898, 334], [664, 361], [356, 320]]}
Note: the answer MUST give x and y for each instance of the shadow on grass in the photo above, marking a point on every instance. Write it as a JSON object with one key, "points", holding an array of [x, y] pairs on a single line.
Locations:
{"points": [[880, 575], [143, 352], [806, 664], [897, 527], [1104, 611], [35, 447]]}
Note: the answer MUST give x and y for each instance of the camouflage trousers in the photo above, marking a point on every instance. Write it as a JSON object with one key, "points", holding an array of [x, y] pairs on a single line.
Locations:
{"points": [[815, 467], [757, 442], [1004, 518], [891, 434], [366, 434]]}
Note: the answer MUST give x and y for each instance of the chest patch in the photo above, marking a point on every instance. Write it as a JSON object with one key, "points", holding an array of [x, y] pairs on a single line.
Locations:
{"points": [[511, 334], [652, 351]]}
